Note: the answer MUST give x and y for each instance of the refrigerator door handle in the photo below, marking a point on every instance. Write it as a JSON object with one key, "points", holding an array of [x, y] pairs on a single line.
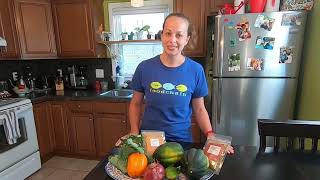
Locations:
{"points": [[218, 47], [216, 106]]}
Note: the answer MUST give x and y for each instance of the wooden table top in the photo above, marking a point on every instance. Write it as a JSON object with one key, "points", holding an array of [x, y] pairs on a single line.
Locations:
{"points": [[248, 164]]}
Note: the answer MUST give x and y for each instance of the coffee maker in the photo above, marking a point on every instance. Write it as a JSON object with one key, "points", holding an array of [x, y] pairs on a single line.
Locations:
{"points": [[78, 77]]}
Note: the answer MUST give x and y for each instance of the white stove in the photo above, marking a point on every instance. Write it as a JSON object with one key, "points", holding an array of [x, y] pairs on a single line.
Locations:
{"points": [[19, 150], [12, 102]]}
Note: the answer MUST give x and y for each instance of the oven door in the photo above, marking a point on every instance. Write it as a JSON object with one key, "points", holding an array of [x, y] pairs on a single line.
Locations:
{"points": [[27, 144]]}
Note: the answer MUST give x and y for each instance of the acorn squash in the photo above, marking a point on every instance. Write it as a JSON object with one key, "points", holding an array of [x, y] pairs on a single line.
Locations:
{"points": [[168, 154], [195, 163]]}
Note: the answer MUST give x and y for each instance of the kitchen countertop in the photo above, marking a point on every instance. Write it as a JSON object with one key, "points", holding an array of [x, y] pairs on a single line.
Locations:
{"points": [[51, 95]]}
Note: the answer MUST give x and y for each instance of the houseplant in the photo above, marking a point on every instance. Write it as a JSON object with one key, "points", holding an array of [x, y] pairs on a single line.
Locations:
{"points": [[139, 31], [124, 35]]}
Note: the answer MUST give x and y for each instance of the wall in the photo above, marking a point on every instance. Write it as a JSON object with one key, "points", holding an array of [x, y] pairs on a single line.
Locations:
{"points": [[106, 11], [309, 94]]}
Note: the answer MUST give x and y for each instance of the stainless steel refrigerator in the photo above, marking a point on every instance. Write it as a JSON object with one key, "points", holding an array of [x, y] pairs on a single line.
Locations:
{"points": [[254, 71]]}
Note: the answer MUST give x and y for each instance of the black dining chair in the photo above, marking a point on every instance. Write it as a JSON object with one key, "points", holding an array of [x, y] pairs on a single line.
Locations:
{"points": [[290, 129]]}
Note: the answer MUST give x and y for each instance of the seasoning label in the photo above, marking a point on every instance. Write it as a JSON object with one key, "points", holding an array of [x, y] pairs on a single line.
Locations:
{"points": [[154, 142], [215, 150]]}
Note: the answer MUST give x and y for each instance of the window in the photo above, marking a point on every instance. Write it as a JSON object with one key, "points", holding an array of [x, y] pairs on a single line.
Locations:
{"points": [[124, 18]]}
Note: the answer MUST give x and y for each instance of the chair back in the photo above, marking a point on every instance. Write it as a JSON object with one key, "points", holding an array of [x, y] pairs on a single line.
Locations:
{"points": [[290, 129]]}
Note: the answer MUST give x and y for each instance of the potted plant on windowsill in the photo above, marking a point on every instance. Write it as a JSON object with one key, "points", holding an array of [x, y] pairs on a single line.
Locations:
{"points": [[139, 31], [124, 35]]}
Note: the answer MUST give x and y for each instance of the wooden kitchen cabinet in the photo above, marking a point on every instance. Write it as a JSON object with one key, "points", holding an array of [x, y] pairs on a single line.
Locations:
{"points": [[44, 130], [35, 28], [82, 134], [110, 124], [74, 28], [8, 30], [195, 10], [60, 126], [213, 6], [82, 128]]}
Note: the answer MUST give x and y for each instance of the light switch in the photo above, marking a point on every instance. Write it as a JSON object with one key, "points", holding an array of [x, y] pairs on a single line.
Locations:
{"points": [[99, 73]]}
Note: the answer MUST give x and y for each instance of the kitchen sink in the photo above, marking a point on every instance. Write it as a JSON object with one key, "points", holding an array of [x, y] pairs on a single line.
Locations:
{"points": [[118, 93]]}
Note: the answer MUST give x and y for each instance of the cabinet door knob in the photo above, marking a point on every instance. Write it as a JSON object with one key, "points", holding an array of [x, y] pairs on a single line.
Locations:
{"points": [[79, 106], [90, 119], [123, 121]]}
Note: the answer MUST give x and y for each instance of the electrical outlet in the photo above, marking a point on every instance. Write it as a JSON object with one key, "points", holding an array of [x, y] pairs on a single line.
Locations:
{"points": [[99, 73]]}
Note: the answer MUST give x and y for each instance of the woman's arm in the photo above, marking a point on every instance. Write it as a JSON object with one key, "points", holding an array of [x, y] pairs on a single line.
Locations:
{"points": [[135, 111], [203, 120], [201, 115]]}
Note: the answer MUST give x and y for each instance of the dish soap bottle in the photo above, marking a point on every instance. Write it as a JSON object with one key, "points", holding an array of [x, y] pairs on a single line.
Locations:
{"points": [[21, 84]]}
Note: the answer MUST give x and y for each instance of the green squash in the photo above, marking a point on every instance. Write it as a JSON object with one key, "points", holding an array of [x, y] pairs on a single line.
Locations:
{"points": [[168, 154], [195, 163]]}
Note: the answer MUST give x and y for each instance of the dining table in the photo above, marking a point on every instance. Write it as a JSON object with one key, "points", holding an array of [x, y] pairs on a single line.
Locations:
{"points": [[247, 163]]}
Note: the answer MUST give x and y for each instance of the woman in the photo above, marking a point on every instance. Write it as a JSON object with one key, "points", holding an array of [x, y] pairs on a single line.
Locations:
{"points": [[173, 87]]}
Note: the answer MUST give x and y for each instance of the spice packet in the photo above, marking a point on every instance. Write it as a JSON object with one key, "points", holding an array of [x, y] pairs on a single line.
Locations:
{"points": [[152, 139], [216, 150]]}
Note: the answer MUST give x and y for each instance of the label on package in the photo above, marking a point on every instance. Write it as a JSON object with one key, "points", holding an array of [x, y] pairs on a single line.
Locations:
{"points": [[215, 150], [154, 142]]}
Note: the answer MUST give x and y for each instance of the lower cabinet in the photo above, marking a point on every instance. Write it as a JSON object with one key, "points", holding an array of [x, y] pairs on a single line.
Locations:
{"points": [[110, 123], [43, 123], [82, 138], [60, 126], [83, 128], [82, 134], [108, 129]]}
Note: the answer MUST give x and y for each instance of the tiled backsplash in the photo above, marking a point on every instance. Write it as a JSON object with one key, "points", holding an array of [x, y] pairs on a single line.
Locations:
{"points": [[49, 67]]}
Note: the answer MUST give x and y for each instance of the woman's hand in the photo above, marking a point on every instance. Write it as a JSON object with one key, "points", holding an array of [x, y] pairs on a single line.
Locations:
{"points": [[230, 150], [123, 138]]}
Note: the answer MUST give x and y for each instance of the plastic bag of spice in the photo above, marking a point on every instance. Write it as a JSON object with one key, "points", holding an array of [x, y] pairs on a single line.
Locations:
{"points": [[216, 150], [152, 139]]}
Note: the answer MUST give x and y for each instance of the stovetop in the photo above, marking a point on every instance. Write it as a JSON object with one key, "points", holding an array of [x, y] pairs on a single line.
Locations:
{"points": [[7, 101]]}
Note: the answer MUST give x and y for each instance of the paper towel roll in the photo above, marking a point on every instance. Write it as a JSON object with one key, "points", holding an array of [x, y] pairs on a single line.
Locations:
{"points": [[272, 6]]}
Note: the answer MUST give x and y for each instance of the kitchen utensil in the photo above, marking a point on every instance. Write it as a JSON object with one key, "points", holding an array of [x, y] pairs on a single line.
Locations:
{"points": [[3, 86], [239, 6]]}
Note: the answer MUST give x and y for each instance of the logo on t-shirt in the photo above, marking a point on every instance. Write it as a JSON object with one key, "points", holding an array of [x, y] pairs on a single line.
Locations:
{"points": [[168, 88]]}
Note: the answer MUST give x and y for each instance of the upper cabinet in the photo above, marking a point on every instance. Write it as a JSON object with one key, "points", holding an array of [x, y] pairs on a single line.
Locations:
{"points": [[8, 30], [195, 10], [35, 31], [74, 28], [35, 28], [214, 6]]}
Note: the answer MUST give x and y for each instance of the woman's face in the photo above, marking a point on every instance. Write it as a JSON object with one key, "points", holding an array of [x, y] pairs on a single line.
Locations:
{"points": [[175, 35]]}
